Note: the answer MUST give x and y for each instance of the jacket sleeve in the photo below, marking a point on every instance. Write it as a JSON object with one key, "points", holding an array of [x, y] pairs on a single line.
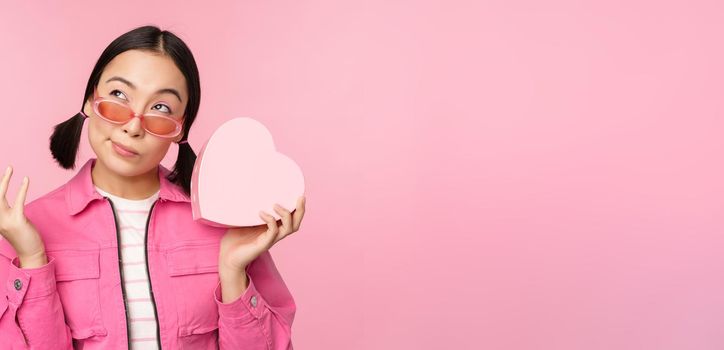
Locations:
{"points": [[261, 317], [33, 315]]}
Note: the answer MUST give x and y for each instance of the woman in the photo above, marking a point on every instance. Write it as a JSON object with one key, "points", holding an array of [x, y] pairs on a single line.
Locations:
{"points": [[112, 259]]}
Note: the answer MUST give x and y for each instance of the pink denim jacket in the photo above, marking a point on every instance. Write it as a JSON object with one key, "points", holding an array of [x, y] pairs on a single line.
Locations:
{"points": [[76, 301]]}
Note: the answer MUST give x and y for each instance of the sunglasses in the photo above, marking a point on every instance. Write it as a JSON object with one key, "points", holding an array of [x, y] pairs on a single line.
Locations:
{"points": [[116, 112]]}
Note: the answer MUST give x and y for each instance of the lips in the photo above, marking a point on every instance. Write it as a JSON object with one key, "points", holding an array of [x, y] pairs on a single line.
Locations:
{"points": [[124, 147]]}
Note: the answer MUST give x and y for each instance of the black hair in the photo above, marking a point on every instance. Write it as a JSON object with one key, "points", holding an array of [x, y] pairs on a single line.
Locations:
{"points": [[66, 135]]}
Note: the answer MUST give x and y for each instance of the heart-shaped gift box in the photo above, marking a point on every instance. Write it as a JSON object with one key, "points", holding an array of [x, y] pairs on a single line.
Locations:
{"points": [[239, 172]]}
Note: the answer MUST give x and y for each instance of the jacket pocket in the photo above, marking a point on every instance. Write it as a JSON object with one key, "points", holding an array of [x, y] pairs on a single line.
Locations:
{"points": [[193, 267], [77, 276]]}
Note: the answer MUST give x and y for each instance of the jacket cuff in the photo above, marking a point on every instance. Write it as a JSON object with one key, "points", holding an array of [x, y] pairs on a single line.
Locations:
{"points": [[19, 286], [249, 302]]}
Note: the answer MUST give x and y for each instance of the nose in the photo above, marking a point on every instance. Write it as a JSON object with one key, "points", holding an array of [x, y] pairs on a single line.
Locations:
{"points": [[135, 125]]}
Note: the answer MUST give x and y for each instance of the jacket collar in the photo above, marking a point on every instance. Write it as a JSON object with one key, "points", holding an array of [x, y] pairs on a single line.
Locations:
{"points": [[81, 189]]}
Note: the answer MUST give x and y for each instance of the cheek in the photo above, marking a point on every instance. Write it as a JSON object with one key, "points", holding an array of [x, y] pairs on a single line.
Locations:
{"points": [[97, 133], [99, 126], [159, 149], [155, 151]]}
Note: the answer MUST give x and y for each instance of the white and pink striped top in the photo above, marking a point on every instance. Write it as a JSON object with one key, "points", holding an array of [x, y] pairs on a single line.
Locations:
{"points": [[132, 216]]}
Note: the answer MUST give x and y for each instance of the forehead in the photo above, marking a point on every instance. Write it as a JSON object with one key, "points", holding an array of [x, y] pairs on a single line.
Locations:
{"points": [[148, 71]]}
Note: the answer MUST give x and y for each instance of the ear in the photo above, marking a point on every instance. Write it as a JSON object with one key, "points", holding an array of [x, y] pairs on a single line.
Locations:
{"points": [[87, 109]]}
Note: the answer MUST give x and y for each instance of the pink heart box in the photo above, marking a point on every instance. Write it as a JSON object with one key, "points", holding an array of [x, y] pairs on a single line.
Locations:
{"points": [[239, 172]]}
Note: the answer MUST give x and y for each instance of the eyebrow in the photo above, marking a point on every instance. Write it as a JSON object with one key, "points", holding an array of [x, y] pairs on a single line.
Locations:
{"points": [[166, 90]]}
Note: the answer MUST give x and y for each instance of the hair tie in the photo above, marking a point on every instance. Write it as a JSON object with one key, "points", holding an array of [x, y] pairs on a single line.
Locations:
{"points": [[184, 141], [84, 116]]}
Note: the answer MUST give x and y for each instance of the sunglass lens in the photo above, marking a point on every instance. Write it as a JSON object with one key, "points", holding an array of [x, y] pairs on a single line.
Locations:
{"points": [[160, 125], [114, 111]]}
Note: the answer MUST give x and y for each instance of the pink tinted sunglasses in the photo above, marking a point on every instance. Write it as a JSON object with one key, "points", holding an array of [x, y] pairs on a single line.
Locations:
{"points": [[117, 112]]}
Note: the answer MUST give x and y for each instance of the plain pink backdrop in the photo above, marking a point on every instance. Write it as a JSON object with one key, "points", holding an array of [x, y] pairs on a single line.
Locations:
{"points": [[480, 174]]}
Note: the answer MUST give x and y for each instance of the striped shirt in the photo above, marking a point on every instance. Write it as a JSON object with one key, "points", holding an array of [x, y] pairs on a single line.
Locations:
{"points": [[131, 216]]}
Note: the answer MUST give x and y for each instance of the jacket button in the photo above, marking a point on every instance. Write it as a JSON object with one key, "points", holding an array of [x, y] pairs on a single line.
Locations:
{"points": [[18, 285], [253, 300]]}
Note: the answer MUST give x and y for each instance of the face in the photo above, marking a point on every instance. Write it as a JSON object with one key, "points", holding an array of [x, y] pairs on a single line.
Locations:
{"points": [[148, 83]]}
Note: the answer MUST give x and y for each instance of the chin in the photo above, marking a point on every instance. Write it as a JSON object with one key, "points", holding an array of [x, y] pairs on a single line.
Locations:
{"points": [[120, 166]]}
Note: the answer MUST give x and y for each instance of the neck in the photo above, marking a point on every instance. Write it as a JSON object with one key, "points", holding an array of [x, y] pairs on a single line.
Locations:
{"points": [[130, 187]]}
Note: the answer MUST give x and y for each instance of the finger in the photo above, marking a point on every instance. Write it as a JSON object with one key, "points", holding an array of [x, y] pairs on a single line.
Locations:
{"points": [[22, 194], [299, 212], [4, 185], [286, 219], [295, 217], [273, 229]]}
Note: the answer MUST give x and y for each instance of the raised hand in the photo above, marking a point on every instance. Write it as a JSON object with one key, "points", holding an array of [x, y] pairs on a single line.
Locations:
{"points": [[17, 229], [241, 245]]}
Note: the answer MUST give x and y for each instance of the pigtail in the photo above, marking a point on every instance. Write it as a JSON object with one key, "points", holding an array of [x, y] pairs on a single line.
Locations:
{"points": [[65, 140], [184, 166]]}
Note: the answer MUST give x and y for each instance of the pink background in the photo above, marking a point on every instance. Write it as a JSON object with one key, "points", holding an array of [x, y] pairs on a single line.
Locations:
{"points": [[480, 174]]}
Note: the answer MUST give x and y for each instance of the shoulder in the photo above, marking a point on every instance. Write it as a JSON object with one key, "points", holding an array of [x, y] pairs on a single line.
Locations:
{"points": [[55, 199], [177, 218], [51, 216]]}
